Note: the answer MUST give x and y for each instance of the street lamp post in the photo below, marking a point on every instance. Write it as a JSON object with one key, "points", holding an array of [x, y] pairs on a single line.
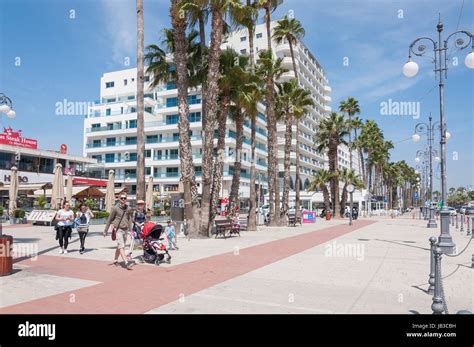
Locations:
{"points": [[6, 106], [350, 188], [429, 130], [440, 61]]}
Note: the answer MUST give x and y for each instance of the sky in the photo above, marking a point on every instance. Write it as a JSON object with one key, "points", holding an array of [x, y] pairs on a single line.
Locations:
{"points": [[56, 50]]}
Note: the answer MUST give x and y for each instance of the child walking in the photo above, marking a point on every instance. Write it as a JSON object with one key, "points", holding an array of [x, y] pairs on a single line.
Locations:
{"points": [[171, 236], [83, 217]]}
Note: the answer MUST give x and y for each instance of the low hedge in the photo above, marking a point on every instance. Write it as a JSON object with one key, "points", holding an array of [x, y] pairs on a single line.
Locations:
{"points": [[19, 213], [101, 214]]}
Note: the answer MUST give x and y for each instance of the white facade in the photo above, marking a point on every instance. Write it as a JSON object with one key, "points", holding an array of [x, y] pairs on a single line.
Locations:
{"points": [[313, 79], [110, 135]]}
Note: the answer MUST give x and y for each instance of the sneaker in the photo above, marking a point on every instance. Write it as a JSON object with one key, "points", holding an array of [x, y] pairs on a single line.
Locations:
{"points": [[81, 251], [129, 266], [61, 251], [65, 251]]}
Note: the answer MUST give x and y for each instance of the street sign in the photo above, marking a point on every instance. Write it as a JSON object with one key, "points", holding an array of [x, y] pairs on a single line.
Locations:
{"points": [[415, 195]]}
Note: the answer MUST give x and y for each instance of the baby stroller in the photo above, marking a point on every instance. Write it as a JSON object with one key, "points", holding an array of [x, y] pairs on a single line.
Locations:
{"points": [[154, 250]]}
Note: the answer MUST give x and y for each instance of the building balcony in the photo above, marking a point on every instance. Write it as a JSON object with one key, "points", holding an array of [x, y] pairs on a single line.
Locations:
{"points": [[327, 89], [327, 98]]}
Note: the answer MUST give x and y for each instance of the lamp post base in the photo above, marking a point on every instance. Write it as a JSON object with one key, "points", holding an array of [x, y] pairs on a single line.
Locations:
{"points": [[432, 222], [445, 241]]}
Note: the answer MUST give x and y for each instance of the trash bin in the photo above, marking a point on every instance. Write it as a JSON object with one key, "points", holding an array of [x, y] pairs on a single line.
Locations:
{"points": [[328, 215], [6, 260]]}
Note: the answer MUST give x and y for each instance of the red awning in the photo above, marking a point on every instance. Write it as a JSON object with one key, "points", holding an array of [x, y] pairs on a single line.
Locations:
{"points": [[89, 182]]}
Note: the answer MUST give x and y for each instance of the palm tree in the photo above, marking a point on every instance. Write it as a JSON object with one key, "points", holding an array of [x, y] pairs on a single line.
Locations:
{"points": [[292, 102], [229, 82], [186, 158], [160, 61], [291, 30], [319, 182], [350, 106], [218, 9], [249, 20], [250, 98], [140, 104], [270, 69], [331, 133], [356, 125], [273, 185]]}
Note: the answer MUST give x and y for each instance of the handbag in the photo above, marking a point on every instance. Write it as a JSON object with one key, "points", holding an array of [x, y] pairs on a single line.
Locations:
{"points": [[114, 230]]}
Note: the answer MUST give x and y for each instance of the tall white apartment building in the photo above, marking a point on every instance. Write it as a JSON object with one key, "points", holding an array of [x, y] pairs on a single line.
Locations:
{"points": [[110, 135], [312, 78]]}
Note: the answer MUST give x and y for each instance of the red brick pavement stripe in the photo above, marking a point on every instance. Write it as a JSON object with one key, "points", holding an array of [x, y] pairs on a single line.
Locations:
{"points": [[147, 287]]}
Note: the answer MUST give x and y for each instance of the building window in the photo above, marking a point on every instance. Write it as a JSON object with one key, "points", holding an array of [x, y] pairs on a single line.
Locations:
{"points": [[109, 157], [148, 171], [108, 112], [147, 153], [129, 140], [243, 39], [152, 139], [259, 35], [133, 157], [132, 124], [172, 119], [147, 78], [96, 143], [125, 82], [111, 141], [109, 84], [243, 51]]}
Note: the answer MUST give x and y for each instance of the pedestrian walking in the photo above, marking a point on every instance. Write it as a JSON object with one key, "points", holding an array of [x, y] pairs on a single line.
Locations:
{"points": [[171, 236], [65, 218], [121, 218], [83, 218]]}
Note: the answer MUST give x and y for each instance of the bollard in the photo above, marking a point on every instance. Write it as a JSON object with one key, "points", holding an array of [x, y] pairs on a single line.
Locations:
{"points": [[452, 220], [472, 261], [468, 225], [437, 306], [470, 230], [457, 218], [462, 223], [431, 279]]}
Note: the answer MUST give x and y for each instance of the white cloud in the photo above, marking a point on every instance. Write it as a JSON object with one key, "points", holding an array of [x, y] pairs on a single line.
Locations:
{"points": [[120, 21]]}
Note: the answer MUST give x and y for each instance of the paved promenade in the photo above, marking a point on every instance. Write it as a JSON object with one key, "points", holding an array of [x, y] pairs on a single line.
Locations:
{"points": [[378, 265]]}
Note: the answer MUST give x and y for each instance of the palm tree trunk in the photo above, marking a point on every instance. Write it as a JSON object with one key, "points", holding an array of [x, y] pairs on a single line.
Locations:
{"points": [[217, 26], [219, 162], [287, 162], [252, 222], [191, 203], [140, 105], [297, 151], [344, 198], [333, 167], [234, 191], [274, 192], [326, 197]]}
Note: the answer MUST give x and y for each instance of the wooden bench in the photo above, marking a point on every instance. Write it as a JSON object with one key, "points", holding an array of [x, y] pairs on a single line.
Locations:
{"points": [[222, 226], [291, 220]]}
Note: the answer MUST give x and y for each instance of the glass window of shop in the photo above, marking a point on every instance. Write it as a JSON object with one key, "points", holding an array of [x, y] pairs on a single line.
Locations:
{"points": [[7, 160], [46, 165], [28, 163]]}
